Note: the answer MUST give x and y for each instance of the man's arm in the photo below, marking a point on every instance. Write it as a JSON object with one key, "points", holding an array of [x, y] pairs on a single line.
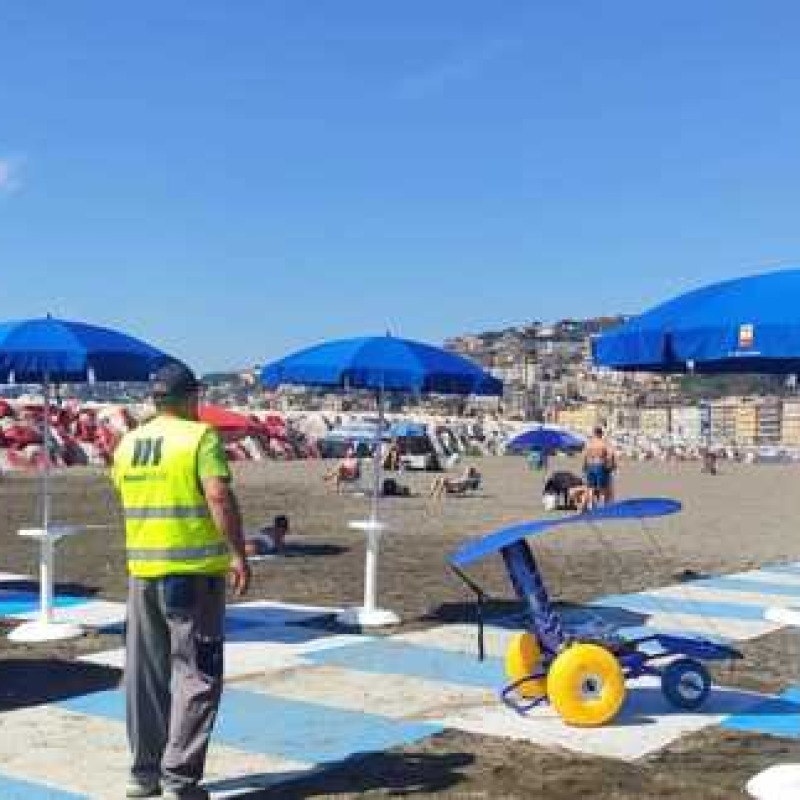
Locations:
{"points": [[227, 517]]}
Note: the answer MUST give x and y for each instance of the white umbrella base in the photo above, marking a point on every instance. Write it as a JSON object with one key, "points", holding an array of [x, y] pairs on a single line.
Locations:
{"points": [[39, 631], [781, 782], [368, 617]]}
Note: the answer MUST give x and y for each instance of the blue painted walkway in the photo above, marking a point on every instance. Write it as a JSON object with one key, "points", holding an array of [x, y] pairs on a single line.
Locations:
{"points": [[259, 723], [658, 604], [391, 657], [733, 584], [14, 602], [13, 789], [776, 716]]}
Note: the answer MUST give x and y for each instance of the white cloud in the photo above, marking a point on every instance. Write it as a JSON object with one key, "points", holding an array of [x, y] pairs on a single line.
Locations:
{"points": [[459, 68], [10, 180]]}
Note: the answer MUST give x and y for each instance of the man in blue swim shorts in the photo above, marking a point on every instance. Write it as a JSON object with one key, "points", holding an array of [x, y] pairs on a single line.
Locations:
{"points": [[599, 462]]}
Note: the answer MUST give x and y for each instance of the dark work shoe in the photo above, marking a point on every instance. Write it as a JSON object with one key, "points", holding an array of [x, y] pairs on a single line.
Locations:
{"points": [[187, 793], [140, 789]]}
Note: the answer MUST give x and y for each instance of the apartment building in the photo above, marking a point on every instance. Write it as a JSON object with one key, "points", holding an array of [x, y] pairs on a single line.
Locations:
{"points": [[769, 413], [583, 418], [722, 419], [687, 423], [790, 423], [746, 423], [654, 421]]}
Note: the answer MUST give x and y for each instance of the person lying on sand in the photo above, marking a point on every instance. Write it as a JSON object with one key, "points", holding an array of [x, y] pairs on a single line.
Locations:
{"points": [[270, 539], [470, 479]]}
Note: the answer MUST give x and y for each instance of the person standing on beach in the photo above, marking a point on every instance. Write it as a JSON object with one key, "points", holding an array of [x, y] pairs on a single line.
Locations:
{"points": [[182, 521], [599, 465]]}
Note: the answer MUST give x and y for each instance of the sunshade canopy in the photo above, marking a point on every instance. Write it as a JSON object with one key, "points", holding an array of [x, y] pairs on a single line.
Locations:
{"points": [[545, 438], [744, 325], [382, 362], [58, 350], [638, 508], [226, 420]]}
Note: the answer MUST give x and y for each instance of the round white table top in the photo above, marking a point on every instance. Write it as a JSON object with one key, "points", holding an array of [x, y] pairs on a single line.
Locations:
{"points": [[786, 616]]}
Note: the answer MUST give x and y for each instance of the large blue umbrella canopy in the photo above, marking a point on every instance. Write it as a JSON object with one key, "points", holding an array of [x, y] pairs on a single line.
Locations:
{"points": [[382, 363], [744, 325], [48, 350], [61, 351], [544, 438]]}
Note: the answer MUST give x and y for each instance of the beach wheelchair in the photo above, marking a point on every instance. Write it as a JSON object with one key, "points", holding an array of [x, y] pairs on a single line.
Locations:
{"points": [[582, 671]]}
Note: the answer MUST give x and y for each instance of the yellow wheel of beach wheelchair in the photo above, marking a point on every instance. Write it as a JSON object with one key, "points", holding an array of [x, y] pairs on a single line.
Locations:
{"points": [[585, 685], [522, 657]]}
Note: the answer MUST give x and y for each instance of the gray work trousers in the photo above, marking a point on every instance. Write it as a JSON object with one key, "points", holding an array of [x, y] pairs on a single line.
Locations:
{"points": [[173, 675]]}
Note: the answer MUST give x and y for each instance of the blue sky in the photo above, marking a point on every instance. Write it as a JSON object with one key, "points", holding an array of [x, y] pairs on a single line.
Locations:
{"points": [[233, 180]]}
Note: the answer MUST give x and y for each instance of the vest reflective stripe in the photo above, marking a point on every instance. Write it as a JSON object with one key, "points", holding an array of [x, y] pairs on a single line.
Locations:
{"points": [[167, 512], [169, 528], [174, 554]]}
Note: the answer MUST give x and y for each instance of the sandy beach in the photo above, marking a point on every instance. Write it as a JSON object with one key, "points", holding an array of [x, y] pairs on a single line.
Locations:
{"points": [[743, 518]]}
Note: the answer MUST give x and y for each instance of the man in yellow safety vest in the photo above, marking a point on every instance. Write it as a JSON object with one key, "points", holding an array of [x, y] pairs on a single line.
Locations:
{"points": [[183, 534]]}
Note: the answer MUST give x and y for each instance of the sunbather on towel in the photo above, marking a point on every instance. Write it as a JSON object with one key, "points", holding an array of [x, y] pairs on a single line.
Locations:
{"points": [[347, 470], [270, 539], [470, 479]]}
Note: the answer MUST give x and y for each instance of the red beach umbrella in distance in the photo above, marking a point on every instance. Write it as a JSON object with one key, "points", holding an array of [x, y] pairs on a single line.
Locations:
{"points": [[223, 419]]}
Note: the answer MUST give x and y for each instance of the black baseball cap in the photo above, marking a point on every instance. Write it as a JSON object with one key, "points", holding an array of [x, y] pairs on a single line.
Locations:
{"points": [[174, 380]]}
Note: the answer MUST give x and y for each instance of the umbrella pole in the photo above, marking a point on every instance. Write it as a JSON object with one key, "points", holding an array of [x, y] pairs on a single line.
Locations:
{"points": [[377, 459], [44, 629], [373, 534], [369, 615], [46, 555]]}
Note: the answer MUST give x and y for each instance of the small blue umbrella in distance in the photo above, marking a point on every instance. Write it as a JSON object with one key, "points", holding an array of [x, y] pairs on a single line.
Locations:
{"points": [[546, 439]]}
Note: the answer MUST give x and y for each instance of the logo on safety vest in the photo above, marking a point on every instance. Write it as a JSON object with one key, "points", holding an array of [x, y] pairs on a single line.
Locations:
{"points": [[745, 337]]}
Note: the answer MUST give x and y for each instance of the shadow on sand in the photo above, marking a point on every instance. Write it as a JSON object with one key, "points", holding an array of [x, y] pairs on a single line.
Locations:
{"points": [[28, 586], [510, 614], [395, 773], [26, 682]]}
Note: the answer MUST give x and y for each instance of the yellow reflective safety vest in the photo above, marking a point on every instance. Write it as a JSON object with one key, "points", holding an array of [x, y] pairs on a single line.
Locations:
{"points": [[168, 526]]}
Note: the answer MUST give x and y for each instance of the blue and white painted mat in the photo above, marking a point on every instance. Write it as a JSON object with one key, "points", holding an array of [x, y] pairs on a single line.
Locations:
{"points": [[300, 697]]}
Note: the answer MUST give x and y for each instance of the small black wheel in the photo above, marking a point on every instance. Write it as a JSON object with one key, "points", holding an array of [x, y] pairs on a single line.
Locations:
{"points": [[686, 684]]}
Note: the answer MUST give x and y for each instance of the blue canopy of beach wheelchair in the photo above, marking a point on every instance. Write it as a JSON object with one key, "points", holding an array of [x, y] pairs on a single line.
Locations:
{"points": [[381, 364], [546, 438], [636, 509], [56, 350], [47, 350], [749, 324]]}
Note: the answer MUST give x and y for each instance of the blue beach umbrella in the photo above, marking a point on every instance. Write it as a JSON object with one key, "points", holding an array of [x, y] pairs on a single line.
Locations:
{"points": [[743, 325], [56, 350], [46, 351], [546, 439], [380, 364]]}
